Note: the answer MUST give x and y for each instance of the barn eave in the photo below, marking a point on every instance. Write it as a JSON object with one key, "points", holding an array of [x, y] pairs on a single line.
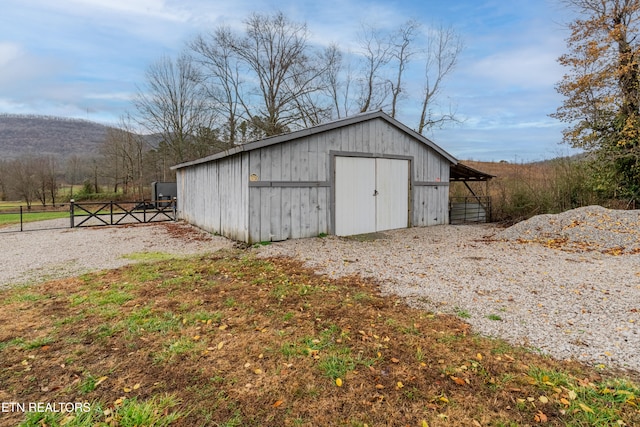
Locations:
{"points": [[359, 118]]}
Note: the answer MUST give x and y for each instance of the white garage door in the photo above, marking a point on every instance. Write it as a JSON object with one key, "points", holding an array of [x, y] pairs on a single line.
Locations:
{"points": [[371, 195]]}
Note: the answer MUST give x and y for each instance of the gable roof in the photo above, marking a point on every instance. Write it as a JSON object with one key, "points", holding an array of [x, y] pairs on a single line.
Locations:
{"points": [[335, 124]]}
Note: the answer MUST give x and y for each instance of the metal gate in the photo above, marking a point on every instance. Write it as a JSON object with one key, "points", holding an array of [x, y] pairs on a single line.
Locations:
{"points": [[87, 214]]}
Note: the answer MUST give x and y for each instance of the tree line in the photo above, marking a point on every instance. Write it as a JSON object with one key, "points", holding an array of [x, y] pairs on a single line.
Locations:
{"points": [[125, 165], [230, 86]]}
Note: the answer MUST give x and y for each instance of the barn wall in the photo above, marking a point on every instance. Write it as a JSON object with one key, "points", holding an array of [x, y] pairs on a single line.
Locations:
{"points": [[279, 213], [292, 195], [214, 196]]}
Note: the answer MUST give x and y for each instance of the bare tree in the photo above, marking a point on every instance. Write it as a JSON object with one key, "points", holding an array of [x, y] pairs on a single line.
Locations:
{"points": [[175, 104], [216, 54], [376, 54], [111, 151], [443, 48], [4, 177], [23, 181], [124, 151], [73, 172], [44, 173], [275, 51], [402, 51], [266, 80], [382, 63], [49, 177]]}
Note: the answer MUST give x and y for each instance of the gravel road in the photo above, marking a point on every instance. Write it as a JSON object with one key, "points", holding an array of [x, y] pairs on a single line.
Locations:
{"points": [[568, 284]]}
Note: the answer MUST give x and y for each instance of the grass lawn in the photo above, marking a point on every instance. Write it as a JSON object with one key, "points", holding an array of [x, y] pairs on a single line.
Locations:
{"points": [[231, 340], [10, 213], [14, 218]]}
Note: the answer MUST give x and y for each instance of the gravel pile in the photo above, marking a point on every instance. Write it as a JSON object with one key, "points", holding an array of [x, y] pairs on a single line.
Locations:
{"points": [[587, 228], [581, 305]]}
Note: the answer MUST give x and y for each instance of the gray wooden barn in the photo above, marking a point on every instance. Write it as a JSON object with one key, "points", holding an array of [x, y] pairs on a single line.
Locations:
{"points": [[357, 175]]}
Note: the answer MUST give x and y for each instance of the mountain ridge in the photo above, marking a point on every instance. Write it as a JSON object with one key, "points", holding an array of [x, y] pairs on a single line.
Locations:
{"points": [[61, 137]]}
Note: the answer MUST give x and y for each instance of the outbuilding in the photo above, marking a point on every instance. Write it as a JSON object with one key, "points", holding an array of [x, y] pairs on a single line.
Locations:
{"points": [[356, 175]]}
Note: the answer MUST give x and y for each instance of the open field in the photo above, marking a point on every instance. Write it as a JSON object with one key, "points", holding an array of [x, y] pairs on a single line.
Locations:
{"points": [[10, 213], [14, 218], [231, 340], [522, 190]]}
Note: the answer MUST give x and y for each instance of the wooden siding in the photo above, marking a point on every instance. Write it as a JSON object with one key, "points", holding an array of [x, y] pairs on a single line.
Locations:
{"points": [[293, 194], [305, 212], [279, 213], [430, 205], [306, 159], [214, 196]]}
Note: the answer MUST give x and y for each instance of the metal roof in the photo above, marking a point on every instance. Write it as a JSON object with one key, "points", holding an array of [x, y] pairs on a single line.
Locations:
{"points": [[335, 124], [460, 172]]}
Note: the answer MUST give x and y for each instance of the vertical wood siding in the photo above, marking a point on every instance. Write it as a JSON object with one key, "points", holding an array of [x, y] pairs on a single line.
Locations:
{"points": [[214, 196], [217, 197], [280, 213]]}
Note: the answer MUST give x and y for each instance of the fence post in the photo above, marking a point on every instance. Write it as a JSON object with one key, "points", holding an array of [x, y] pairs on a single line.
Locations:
{"points": [[111, 210], [175, 208], [71, 212], [21, 218]]}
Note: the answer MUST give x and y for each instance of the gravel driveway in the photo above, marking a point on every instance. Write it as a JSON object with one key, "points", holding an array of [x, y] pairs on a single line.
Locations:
{"points": [[34, 256], [568, 285], [564, 284]]}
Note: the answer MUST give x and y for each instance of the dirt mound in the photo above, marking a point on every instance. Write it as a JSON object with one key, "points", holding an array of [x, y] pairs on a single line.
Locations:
{"points": [[588, 228]]}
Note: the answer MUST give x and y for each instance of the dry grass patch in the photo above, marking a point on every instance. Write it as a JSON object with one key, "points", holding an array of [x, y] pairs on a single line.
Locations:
{"points": [[233, 340]]}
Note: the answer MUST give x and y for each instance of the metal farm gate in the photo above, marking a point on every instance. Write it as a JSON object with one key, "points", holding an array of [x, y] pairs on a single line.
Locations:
{"points": [[88, 214]]}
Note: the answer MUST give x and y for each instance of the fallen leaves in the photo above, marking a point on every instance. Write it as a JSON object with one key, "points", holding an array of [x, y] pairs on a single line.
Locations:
{"points": [[585, 408], [100, 381], [458, 380], [540, 417]]}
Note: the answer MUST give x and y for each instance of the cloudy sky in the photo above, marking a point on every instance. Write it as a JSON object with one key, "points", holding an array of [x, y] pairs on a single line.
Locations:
{"points": [[86, 58]]}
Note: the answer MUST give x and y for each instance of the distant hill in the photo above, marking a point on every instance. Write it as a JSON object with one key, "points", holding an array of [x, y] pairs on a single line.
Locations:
{"points": [[45, 135]]}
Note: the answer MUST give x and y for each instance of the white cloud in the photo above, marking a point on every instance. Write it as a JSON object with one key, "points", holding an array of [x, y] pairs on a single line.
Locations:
{"points": [[111, 96], [8, 53], [151, 9], [18, 68], [523, 67]]}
